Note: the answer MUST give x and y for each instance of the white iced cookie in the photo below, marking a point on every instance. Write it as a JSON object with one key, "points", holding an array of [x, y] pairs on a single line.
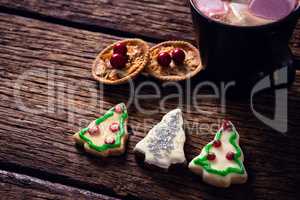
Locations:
{"points": [[163, 145], [221, 161]]}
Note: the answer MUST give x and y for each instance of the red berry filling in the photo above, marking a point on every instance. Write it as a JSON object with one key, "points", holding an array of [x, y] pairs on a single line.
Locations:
{"points": [[118, 61], [120, 48], [164, 59], [178, 56]]}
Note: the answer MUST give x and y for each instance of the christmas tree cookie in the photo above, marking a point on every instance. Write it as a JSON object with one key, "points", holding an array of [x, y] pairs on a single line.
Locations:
{"points": [[107, 135], [163, 145], [221, 161]]}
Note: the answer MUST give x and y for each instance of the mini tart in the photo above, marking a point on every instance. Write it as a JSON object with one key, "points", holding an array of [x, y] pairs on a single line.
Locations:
{"points": [[190, 67], [138, 56]]}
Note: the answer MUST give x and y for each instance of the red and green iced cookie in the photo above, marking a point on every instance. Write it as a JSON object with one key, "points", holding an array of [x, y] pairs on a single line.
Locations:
{"points": [[220, 162], [107, 135]]}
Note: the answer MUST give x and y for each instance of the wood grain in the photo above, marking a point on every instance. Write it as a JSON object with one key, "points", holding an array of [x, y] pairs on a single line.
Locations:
{"points": [[60, 97], [152, 19], [158, 19], [17, 186]]}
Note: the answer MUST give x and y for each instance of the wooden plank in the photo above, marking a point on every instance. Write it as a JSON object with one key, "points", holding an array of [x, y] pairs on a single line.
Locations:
{"points": [[63, 97], [17, 186], [152, 19], [158, 19]]}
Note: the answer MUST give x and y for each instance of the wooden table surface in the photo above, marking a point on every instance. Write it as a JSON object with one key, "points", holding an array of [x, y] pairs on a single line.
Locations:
{"points": [[47, 93]]}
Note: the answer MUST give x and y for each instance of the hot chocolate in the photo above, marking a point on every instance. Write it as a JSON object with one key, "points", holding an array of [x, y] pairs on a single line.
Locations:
{"points": [[246, 12]]}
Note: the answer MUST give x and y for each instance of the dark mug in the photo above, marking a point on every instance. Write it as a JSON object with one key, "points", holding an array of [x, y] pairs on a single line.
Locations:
{"points": [[244, 53]]}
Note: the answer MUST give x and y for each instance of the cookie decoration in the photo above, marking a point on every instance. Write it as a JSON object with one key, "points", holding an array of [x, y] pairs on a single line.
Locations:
{"points": [[221, 161], [107, 135], [121, 61], [174, 61], [163, 145]]}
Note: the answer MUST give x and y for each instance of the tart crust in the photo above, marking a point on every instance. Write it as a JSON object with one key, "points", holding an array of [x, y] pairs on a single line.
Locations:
{"points": [[138, 56], [191, 66]]}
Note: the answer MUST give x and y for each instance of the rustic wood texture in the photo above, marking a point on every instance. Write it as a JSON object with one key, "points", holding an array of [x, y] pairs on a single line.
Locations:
{"points": [[152, 19], [147, 18], [17, 186], [61, 97]]}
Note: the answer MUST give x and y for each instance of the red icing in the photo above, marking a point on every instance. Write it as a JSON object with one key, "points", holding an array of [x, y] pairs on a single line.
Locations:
{"points": [[217, 143], [226, 125], [178, 56], [211, 156], [109, 140], [164, 59], [93, 131], [118, 109], [120, 48], [230, 155], [114, 127]]}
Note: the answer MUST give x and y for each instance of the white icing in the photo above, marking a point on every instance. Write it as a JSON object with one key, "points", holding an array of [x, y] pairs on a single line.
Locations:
{"points": [[164, 143]]}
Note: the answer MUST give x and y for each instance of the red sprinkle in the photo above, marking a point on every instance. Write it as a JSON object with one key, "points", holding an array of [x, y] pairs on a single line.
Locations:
{"points": [[211, 156], [217, 143], [230, 155], [114, 127], [109, 140], [94, 131], [119, 108], [226, 125]]}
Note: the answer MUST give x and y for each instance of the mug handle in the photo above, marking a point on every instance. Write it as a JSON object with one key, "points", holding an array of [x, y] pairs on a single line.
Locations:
{"points": [[282, 56]]}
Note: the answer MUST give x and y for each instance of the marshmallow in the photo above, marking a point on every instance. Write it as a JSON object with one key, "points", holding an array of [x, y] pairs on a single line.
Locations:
{"points": [[272, 9]]}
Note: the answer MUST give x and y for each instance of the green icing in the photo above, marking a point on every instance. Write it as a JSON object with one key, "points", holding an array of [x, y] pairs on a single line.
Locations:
{"points": [[119, 135], [206, 164]]}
